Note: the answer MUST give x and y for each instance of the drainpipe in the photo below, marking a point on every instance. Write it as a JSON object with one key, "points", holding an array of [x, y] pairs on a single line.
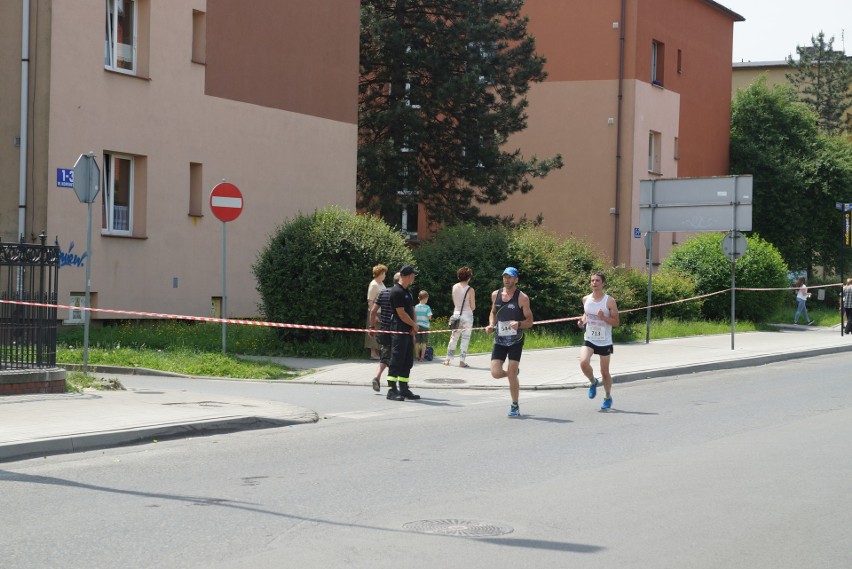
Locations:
{"points": [[25, 96], [618, 131]]}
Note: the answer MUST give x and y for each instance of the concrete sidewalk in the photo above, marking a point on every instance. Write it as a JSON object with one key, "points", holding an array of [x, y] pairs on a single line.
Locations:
{"points": [[558, 368], [39, 425]]}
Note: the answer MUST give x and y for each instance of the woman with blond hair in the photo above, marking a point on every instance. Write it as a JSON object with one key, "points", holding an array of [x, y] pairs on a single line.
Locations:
{"points": [[376, 286], [464, 303]]}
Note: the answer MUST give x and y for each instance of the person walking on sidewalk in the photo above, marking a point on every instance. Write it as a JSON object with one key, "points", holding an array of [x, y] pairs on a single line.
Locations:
{"points": [[600, 316], [402, 345], [802, 296], [464, 303], [510, 315], [847, 304], [375, 287], [382, 313]]}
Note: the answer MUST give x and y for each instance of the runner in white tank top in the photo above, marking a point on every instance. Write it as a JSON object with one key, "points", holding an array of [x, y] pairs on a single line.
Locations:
{"points": [[600, 316], [598, 331]]}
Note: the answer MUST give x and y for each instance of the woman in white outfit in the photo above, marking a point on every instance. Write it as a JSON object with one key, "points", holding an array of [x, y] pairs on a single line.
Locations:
{"points": [[375, 287], [464, 303], [802, 296]]}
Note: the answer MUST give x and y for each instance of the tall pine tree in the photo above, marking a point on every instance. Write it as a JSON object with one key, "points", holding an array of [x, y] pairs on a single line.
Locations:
{"points": [[442, 87], [823, 78]]}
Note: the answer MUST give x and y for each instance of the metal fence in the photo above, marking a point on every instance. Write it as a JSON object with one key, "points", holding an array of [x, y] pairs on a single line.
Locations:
{"points": [[28, 273]]}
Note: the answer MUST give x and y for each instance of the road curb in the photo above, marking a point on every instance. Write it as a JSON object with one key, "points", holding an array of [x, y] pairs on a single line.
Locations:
{"points": [[729, 364], [147, 434]]}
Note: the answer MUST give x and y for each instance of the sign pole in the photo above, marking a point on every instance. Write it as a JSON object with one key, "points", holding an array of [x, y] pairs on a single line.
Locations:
{"points": [[733, 298], [86, 313], [650, 242], [734, 260], [86, 184], [845, 242], [224, 285], [226, 203], [649, 246]]}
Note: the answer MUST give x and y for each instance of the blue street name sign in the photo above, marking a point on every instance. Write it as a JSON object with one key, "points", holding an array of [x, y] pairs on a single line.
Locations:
{"points": [[64, 177]]}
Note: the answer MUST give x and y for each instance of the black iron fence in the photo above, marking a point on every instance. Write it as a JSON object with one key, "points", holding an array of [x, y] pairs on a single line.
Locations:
{"points": [[28, 273]]}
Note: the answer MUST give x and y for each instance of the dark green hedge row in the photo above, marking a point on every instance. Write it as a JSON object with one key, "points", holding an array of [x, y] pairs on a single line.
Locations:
{"points": [[315, 270]]}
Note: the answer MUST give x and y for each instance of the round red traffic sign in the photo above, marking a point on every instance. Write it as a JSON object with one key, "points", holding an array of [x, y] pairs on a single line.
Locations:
{"points": [[226, 201]]}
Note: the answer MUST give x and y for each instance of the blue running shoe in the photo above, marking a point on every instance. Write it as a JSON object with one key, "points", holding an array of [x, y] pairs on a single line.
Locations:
{"points": [[514, 411], [607, 403], [593, 390]]}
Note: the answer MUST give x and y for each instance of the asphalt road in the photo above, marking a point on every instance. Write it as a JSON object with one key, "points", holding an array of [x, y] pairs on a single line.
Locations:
{"points": [[744, 468]]}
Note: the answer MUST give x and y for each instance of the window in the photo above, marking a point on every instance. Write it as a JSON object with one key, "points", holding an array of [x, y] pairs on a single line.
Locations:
{"points": [[403, 217], [199, 37], [408, 97], [677, 148], [117, 218], [120, 41], [658, 52], [408, 222], [654, 152], [680, 61], [195, 198]]}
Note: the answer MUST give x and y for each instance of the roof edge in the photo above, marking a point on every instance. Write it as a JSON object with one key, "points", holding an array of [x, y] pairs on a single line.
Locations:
{"points": [[736, 17]]}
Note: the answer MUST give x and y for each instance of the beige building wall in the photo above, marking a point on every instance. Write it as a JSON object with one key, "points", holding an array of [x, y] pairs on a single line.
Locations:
{"points": [[285, 162], [656, 110], [579, 200], [10, 118], [36, 139], [746, 73]]}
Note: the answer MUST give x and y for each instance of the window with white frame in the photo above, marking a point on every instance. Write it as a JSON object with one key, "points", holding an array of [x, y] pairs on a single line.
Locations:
{"points": [[654, 148], [408, 220], [120, 41], [404, 214], [117, 215]]}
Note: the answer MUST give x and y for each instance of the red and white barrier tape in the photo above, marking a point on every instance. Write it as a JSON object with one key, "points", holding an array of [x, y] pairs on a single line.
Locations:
{"points": [[342, 329]]}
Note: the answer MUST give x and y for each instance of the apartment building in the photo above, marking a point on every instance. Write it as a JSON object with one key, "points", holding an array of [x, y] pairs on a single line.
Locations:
{"points": [[636, 90], [173, 97], [746, 72]]}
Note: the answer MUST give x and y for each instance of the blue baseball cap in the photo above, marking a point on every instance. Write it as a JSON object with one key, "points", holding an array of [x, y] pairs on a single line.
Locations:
{"points": [[511, 271]]}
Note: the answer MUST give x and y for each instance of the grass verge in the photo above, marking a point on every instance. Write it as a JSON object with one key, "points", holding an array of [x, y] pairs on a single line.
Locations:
{"points": [[195, 348]]}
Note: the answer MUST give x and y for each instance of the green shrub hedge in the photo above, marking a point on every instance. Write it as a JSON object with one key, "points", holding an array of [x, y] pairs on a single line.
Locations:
{"points": [[701, 258], [483, 249], [554, 272], [315, 269]]}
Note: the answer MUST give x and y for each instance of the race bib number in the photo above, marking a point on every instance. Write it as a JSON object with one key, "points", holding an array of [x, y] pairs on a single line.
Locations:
{"points": [[595, 330], [505, 329]]}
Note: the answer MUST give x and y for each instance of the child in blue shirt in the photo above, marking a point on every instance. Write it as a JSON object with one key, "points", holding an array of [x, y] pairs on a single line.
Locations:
{"points": [[423, 315]]}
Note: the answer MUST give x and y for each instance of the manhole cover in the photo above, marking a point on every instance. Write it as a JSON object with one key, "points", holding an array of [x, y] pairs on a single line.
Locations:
{"points": [[444, 380], [462, 528]]}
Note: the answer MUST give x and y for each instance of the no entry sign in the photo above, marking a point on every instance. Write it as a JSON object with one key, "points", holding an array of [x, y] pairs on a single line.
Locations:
{"points": [[226, 202]]}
